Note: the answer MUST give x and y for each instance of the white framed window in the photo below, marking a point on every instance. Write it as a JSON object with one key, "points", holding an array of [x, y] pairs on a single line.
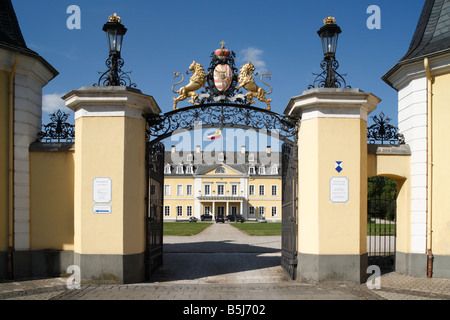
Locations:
{"points": [[220, 189], [274, 211], [251, 190], [251, 211], [262, 211], [262, 170], [220, 157], [274, 190], [274, 169], [167, 189], [189, 170], [189, 211], [190, 157], [207, 189], [180, 170], [251, 157], [207, 210], [262, 190], [167, 169], [166, 211], [234, 210], [234, 189], [220, 170], [179, 189], [179, 211], [189, 190], [251, 170]]}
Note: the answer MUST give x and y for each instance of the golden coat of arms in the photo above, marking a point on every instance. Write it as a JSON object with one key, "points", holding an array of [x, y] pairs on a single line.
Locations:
{"points": [[222, 82]]}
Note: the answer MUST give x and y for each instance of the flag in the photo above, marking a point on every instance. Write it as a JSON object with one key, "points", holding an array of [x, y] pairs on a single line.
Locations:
{"points": [[215, 135]]}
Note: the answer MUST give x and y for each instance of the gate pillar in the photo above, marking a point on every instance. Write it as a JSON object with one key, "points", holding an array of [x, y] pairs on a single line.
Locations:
{"points": [[109, 230], [332, 184]]}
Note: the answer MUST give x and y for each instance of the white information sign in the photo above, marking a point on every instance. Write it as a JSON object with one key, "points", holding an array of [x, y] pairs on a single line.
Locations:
{"points": [[102, 209], [102, 190], [339, 189]]}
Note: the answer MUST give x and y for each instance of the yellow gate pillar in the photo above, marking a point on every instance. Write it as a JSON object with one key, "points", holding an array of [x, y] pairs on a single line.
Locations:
{"points": [[109, 200], [332, 184]]}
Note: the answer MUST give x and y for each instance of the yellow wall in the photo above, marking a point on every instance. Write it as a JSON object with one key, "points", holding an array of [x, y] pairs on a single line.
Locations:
{"points": [[4, 151], [51, 200], [332, 228], [107, 147], [441, 167]]}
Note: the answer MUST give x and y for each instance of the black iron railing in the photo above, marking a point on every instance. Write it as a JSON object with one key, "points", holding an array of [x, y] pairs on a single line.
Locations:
{"points": [[59, 130]]}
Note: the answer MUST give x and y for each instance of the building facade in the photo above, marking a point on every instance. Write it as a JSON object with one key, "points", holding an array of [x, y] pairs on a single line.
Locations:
{"points": [[222, 184]]}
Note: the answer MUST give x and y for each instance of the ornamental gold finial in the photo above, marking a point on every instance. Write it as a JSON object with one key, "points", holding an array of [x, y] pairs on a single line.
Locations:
{"points": [[114, 18], [329, 20], [222, 45]]}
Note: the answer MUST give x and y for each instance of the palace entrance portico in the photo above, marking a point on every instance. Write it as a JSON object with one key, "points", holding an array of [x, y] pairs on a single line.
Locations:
{"points": [[222, 205]]}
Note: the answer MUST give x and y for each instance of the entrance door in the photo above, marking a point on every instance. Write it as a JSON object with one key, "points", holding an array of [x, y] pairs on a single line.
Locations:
{"points": [[220, 211], [154, 208], [289, 210]]}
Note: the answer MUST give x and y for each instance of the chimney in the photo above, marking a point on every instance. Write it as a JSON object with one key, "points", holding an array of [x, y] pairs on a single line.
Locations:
{"points": [[268, 150], [197, 149], [242, 149], [173, 149]]}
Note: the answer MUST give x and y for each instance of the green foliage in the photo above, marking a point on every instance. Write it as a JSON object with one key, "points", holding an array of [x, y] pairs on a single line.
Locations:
{"points": [[260, 229], [381, 198], [183, 228]]}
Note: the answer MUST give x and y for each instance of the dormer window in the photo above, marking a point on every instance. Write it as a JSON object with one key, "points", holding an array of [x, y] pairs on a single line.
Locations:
{"points": [[251, 157], [262, 170], [221, 157], [190, 157], [274, 169], [251, 170], [189, 170], [180, 170], [167, 169], [220, 170]]}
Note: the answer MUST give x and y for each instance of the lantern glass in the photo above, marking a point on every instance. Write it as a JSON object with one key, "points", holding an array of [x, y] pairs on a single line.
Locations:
{"points": [[329, 35], [114, 35]]}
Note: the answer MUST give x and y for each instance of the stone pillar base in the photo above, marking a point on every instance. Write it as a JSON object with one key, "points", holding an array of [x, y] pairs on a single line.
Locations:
{"points": [[328, 268]]}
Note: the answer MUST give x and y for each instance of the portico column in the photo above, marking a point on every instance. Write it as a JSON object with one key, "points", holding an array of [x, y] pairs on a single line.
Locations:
{"points": [[332, 184], [109, 234]]}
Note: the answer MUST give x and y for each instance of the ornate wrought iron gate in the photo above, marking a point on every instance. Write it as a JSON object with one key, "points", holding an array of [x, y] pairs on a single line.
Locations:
{"points": [[154, 207], [289, 210]]}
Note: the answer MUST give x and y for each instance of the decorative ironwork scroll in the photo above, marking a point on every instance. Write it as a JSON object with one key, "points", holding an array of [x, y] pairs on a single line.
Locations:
{"points": [[114, 76], [57, 130], [215, 115], [383, 133], [329, 78]]}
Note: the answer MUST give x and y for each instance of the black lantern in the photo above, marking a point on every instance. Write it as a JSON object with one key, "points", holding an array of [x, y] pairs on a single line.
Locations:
{"points": [[329, 35], [114, 76]]}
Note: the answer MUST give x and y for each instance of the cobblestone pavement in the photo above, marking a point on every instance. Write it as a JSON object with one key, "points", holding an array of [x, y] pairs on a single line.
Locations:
{"points": [[222, 263]]}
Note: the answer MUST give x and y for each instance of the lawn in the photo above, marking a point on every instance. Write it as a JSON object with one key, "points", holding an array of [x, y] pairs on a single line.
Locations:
{"points": [[183, 228], [259, 229]]}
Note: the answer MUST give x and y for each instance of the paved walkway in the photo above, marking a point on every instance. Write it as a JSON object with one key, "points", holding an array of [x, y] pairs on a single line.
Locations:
{"points": [[222, 263]]}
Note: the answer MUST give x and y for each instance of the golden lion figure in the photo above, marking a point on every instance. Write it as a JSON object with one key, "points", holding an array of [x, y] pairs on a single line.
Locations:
{"points": [[197, 81], [247, 82]]}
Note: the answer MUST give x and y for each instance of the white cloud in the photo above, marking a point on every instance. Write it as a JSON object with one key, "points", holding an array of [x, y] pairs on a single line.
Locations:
{"points": [[255, 56], [52, 102]]}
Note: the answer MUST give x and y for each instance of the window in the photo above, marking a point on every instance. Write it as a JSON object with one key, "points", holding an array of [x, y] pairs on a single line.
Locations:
{"points": [[220, 170], [274, 169], [179, 189], [167, 169], [274, 190], [167, 189], [189, 190], [262, 170], [189, 211], [190, 157], [234, 210], [189, 170], [262, 211], [251, 157], [220, 189], [234, 189], [207, 210], [251, 190], [220, 157], [251, 211], [207, 189], [274, 211], [251, 170], [179, 211], [167, 211], [261, 190], [180, 170]]}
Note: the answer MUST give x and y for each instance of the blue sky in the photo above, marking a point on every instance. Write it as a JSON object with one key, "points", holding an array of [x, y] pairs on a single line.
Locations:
{"points": [[166, 36]]}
